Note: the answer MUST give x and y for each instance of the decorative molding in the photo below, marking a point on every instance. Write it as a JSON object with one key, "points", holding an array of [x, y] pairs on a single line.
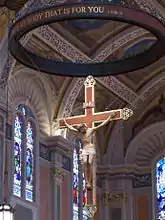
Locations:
{"points": [[66, 163], [11, 63], [123, 38], [121, 90], [7, 70], [54, 151], [129, 169], [3, 51], [111, 197], [69, 51], [142, 181], [159, 6], [44, 152], [152, 86], [61, 45], [150, 7]]}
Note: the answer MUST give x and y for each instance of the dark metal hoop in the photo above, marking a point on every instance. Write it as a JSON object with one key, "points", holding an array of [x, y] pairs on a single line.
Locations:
{"points": [[87, 11]]}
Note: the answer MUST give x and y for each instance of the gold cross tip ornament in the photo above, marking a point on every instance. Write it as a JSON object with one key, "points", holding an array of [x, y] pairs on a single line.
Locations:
{"points": [[126, 113], [90, 210]]}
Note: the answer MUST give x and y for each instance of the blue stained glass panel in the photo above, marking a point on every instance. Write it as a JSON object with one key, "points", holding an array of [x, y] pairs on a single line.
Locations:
{"points": [[75, 187], [29, 162], [160, 188], [17, 155]]}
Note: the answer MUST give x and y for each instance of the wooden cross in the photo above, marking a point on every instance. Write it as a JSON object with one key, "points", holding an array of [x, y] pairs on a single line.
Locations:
{"points": [[90, 117]]}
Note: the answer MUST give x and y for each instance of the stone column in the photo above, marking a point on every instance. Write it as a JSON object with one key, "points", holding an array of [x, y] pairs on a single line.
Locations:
{"points": [[150, 197], [58, 176], [61, 168], [128, 204], [105, 207]]}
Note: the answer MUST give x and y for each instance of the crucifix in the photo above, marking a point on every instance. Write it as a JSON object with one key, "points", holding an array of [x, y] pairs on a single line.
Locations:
{"points": [[84, 125]]}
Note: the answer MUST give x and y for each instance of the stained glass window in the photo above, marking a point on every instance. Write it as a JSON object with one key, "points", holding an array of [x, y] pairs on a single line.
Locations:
{"points": [[29, 162], [17, 155], [24, 145], [160, 188], [76, 186]]}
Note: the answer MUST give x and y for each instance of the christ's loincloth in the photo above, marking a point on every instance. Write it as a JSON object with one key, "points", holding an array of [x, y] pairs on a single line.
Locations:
{"points": [[88, 151]]}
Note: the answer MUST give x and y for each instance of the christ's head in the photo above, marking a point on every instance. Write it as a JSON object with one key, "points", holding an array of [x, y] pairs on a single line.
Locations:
{"points": [[82, 128]]}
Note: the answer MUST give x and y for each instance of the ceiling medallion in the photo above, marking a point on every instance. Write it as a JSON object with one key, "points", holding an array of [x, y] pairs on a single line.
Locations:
{"points": [[100, 11]]}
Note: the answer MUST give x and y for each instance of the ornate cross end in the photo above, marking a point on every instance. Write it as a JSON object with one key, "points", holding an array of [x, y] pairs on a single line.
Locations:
{"points": [[90, 210], [126, 113], [90, 81]]}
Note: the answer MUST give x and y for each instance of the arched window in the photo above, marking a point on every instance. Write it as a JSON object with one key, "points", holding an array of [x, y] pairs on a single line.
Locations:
{"points": [[24, 153], [160, 189], [76, 186]]}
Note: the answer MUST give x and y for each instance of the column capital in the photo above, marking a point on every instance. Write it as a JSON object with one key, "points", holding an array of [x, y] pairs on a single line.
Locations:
{"points": [[57, 174]]}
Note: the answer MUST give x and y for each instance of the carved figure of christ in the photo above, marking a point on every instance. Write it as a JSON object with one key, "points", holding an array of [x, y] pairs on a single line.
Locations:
{"points": [[84, 124], [88, 153]]}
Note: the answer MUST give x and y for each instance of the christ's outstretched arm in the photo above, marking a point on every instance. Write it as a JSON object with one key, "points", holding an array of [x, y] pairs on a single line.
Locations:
{"points": [[105, 122], [69, 126]]}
